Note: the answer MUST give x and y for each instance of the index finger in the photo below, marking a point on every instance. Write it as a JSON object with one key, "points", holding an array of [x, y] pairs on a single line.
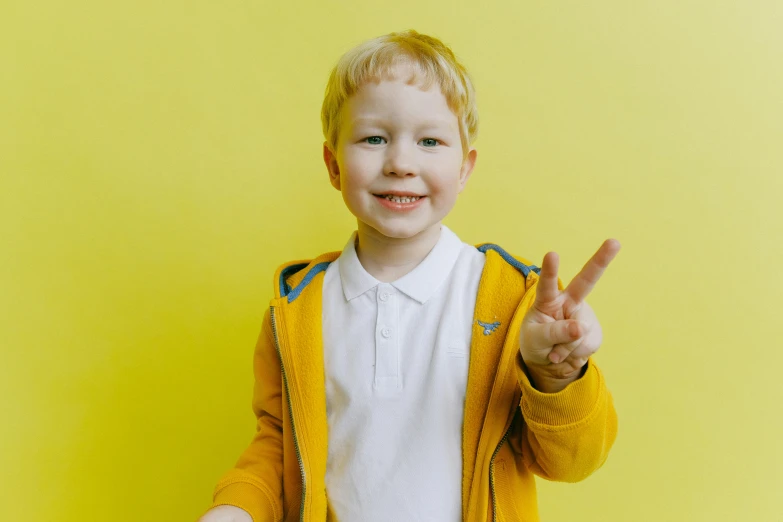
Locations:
{"points": [[579, 288]]}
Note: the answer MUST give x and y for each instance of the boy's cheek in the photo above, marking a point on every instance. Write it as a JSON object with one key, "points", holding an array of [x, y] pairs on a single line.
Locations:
{"points": [[351, 158]]}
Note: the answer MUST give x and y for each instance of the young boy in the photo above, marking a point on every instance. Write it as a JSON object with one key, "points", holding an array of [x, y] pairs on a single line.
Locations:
{"points": [[414, 377]]}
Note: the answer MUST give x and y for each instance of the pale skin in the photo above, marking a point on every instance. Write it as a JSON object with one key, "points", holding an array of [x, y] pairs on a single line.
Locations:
{"points": [[560, 331], [226, 514], [396, 136]]}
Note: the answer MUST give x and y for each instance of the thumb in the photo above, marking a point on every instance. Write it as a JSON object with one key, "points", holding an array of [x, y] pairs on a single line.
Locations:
{"points": [[558, 332]]}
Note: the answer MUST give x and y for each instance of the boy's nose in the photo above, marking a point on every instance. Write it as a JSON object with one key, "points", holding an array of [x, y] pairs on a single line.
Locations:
{"points": [[400, 162]]}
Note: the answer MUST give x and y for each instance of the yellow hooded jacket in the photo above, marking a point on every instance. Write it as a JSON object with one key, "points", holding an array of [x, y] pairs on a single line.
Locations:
{"points": [[511, 431]]}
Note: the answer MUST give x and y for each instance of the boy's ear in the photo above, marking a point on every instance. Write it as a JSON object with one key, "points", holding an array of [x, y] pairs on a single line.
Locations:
{"points": [[467, 169], [331, 165]]}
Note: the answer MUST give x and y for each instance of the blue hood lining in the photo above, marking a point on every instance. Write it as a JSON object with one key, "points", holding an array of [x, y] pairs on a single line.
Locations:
{"points": [[293, 293]]}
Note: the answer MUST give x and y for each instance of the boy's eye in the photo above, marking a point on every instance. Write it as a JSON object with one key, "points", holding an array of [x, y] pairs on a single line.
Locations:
{"points": [[377, 140]]}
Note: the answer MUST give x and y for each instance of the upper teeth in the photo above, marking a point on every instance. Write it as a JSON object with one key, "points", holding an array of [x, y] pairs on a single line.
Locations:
{"points": [[403, 199]]}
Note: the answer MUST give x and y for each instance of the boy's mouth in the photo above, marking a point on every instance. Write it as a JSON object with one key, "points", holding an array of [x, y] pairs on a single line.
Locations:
{"points": [[396, 198]]}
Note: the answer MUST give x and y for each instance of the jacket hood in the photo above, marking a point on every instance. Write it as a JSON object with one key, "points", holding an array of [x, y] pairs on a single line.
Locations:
{"points": [[292, 277]]}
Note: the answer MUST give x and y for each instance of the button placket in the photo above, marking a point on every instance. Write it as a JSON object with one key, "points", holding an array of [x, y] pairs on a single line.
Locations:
{"points": [[386, 349]]}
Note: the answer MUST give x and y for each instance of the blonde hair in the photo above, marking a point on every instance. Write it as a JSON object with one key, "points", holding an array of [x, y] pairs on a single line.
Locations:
{"points": [[375, 60]]}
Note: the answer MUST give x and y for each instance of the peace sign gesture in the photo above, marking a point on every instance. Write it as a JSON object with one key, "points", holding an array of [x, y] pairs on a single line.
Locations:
{"points": [[560, 331]]}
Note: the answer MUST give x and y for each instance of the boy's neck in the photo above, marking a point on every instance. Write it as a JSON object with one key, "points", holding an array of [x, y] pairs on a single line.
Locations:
{"points": [[388, 259]]}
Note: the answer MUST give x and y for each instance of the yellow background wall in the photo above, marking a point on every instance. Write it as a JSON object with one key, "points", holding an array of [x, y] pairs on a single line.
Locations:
{"points": [[160, 159]]}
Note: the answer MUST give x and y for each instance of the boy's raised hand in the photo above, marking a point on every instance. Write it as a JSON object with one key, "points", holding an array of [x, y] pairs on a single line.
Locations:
{"points": [[560, 331]]}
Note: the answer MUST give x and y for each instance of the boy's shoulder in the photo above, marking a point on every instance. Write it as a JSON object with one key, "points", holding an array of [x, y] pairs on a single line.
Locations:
{"points": [[523, 265], [293, 276]]}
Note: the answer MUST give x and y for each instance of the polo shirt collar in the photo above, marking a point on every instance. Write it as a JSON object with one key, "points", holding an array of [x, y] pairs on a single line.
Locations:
{"points": [[418, 284]]}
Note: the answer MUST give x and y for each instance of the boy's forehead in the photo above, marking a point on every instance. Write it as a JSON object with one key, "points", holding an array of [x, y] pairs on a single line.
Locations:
{"points": [[378, 103]]}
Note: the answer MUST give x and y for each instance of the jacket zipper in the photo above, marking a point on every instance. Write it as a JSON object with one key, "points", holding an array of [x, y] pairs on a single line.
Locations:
{"points": [[290, 412], [492, 475]]}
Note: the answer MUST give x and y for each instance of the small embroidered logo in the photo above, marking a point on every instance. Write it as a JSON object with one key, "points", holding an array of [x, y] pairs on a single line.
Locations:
{"points": [[489, 327]]}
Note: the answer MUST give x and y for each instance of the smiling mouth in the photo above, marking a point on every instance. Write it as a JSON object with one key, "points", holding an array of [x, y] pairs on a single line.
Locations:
{"points": [[399, 199]]}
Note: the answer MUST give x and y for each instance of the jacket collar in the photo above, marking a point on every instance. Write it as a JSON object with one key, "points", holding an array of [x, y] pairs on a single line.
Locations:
{"points": [[418, 284]]}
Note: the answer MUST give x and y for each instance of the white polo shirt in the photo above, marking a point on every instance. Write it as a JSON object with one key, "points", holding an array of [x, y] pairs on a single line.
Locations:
{"points": [[396, 361]]}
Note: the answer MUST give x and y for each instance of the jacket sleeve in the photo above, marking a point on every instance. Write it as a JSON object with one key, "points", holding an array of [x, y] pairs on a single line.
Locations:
{"points": [[255, 484], [566, 435]]}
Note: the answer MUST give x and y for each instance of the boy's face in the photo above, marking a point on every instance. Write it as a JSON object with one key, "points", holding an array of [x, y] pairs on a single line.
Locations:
{"points": [[397, 138]]}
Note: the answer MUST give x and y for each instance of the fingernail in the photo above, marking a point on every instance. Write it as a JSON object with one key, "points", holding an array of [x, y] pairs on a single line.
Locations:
{"points": [[554, 358]]}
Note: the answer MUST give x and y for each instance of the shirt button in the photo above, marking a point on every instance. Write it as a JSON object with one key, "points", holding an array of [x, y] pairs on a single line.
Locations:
{"points": [[386, 332], [384, 296]]}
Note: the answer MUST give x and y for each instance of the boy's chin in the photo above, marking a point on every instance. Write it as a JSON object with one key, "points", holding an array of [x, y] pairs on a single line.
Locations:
{"points": [[408, 231]]}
